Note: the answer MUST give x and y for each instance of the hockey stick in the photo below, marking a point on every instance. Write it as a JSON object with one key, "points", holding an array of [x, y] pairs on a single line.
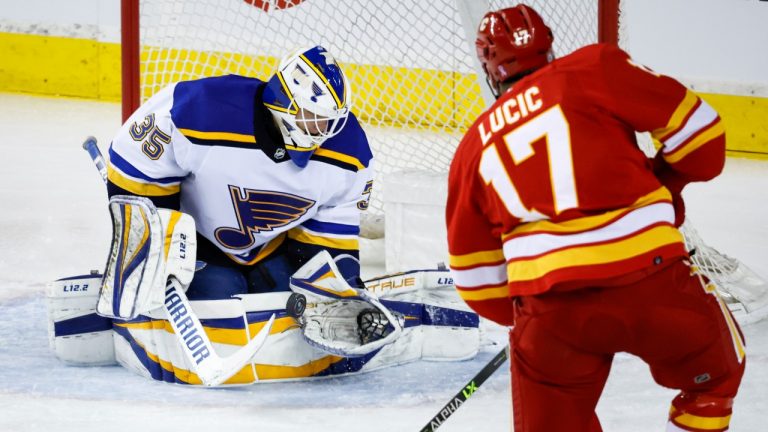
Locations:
{"points": [[93, 150], [467, 391], [209, 367]]}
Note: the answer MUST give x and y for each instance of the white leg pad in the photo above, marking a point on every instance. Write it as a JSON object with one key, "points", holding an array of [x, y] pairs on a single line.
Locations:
{"points": [[76, 334]]}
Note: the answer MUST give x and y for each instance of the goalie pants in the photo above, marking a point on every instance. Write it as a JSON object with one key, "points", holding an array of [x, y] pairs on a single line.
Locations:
{"points": [[219, 277], [563, 344]]}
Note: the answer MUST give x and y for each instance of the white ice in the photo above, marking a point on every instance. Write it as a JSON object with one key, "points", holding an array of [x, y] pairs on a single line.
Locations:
{"points": [[54, 223]]}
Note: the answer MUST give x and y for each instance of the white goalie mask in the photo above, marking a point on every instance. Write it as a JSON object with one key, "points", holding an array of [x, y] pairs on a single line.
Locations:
{"points": [[309, 97]]}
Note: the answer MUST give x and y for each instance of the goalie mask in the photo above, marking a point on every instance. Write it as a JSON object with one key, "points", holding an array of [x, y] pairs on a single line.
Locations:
{"points": [[309, 98]]}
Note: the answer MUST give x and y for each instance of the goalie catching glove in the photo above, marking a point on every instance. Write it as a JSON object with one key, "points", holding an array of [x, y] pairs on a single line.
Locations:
{"points": [[340, 319]]}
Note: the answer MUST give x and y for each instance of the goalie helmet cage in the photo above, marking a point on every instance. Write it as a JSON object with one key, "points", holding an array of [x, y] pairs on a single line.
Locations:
{"points": [[411, 64]]}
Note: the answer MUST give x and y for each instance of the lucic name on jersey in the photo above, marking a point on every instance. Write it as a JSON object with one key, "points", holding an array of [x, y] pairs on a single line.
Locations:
{"points": [[207, 142]]}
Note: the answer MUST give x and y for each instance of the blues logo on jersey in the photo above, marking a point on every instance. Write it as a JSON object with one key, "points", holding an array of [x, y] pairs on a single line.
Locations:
{"points": [[258, 211]]}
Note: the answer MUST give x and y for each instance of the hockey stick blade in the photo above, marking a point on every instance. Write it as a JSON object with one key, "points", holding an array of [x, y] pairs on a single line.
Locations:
{"points": [[467, 391], [209, 367]]}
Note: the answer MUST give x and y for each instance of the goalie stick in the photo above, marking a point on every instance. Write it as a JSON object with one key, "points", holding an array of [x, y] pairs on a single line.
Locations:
{"points": [[467, 391], [93, 150], [209, 367]]}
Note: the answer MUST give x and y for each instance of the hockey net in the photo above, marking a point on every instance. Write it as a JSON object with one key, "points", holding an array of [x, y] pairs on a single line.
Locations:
{"points": [[411, 65]]}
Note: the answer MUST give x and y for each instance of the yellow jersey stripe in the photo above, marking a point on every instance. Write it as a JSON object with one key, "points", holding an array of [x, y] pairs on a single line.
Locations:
{"points": [[224, 136], [588, 222], [336, 243], [340, 157], [714, 131], [143, 189], [681, 112], [301, 149], [476, 258], [494, 292], [526, 270]]}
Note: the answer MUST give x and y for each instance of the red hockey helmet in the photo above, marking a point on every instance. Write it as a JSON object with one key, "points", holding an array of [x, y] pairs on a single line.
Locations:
{"points": [[511, 42]]}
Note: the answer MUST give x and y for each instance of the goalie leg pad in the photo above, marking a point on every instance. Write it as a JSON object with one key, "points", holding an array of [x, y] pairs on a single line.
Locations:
{"points": [[448, 329], [76, 334]]}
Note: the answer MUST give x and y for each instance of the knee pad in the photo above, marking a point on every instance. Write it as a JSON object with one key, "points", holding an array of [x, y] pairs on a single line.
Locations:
{"points": [[214, 282]]}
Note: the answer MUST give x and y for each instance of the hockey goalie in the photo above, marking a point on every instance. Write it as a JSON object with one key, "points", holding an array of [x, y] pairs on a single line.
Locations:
{"points": [[236, 207], [322, 327]]}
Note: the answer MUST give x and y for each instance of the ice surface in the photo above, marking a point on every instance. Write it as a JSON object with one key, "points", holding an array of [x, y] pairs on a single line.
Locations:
{"points": [[54, 223]]}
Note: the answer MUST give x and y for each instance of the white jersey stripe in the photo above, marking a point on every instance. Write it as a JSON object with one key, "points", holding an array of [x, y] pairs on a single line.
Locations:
{"points": [[703, 116], [632, 222], [480, 276]]}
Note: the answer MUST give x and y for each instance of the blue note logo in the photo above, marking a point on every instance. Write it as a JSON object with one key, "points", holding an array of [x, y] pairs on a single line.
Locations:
{"points": [[258, 211]]}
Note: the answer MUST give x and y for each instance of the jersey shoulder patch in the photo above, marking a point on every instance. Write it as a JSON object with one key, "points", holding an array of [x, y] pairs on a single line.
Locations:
{"points": [[348, 150], [217, 110]]}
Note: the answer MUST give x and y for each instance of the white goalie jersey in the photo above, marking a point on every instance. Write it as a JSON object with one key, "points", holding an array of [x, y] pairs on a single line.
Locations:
{"points": [[210, 144]]}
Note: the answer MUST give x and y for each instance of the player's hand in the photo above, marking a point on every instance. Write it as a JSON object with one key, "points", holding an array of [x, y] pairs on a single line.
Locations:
{"points": [[673, 182]]}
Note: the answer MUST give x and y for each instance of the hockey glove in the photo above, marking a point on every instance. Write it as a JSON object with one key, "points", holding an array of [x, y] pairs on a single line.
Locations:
{"points": [[340, 319], [673, 182]]}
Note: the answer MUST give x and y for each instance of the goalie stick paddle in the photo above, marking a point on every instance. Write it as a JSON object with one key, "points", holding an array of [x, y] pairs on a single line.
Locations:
{"points": [[467, 391], [209, 367]]}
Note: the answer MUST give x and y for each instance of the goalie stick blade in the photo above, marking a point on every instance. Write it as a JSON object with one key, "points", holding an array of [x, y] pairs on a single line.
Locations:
{"points": [[209, 367], [467, 391], [232, 364]]}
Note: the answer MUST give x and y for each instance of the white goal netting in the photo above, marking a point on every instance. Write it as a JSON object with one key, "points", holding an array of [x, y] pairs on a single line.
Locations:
{"points": [[411, 66], [410, 63]]}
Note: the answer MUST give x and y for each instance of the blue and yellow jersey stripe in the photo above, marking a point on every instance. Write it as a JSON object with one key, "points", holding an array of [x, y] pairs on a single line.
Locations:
{"points": [[335, 236], [121, 173]]}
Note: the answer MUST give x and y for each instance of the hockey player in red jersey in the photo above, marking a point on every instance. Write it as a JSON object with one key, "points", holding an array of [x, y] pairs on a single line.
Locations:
{"points": [[560, 226]]}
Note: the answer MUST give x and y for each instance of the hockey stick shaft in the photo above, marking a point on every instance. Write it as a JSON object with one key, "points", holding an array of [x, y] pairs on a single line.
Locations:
{"points": [[467, 391], [93, 150], [209, 367]]}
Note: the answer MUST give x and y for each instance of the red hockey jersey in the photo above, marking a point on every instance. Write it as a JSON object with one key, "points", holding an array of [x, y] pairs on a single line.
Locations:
{"points": [[549, 190]]}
